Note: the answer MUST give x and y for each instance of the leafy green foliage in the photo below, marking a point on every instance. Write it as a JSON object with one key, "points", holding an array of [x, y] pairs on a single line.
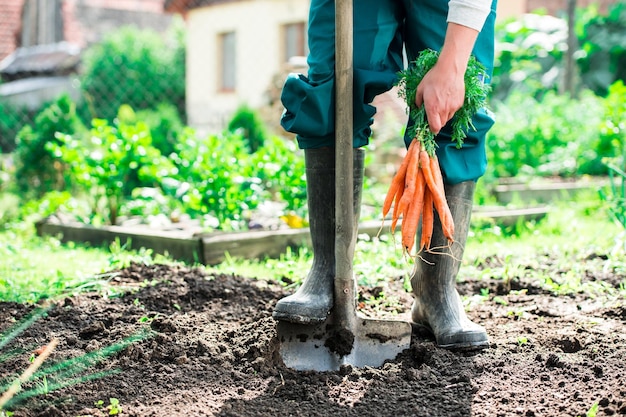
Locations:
{"points": [[610, 133], [556, 135], [121, 171], [280, 168], [603, 41], [135, 67], [247, 122], [218, 177], [530, 55], [615, 194], [165, 125], [12, 119], [476, 91], [612, 143], [37, 169], [111, 162], [531, 52]]}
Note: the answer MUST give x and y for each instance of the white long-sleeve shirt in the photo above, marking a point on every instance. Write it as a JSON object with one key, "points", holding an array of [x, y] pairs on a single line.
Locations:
{"points": [[470, 13]]}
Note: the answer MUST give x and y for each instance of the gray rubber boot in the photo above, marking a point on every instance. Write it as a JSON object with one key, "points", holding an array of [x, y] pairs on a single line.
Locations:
{"points": [[437, 304], [312, 302]]}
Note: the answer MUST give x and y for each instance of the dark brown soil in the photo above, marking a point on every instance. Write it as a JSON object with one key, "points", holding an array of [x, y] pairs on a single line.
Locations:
{"points": [[211, 350]]}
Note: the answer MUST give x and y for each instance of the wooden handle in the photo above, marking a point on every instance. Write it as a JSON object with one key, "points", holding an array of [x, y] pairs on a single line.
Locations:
{"points": [[345, 233]]}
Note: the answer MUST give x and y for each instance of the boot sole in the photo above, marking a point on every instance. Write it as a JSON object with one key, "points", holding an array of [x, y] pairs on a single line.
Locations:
{"points": [[461, 345], [297, 318]]}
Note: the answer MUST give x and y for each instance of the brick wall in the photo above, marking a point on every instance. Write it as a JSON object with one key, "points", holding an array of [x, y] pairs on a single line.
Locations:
{"points": [[85, 21], [10, 12]]}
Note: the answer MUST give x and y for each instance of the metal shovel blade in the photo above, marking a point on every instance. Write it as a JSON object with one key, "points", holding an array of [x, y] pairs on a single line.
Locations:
{"points": [[318, 347]]}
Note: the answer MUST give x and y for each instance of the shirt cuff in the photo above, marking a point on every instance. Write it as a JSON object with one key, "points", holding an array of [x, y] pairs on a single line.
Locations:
{"points": [[470, 13]]}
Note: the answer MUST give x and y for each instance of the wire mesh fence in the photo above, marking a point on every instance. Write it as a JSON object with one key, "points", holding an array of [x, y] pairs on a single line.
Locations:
{"points": [[192, 62]]}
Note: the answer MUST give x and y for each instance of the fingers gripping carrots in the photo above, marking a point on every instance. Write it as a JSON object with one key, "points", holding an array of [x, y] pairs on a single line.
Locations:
{"points": [[416, 191]]}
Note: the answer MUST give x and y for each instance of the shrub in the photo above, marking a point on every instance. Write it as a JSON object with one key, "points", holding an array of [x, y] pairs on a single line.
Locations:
{"points": [[556, 135], [135, 67], [165, 126], [248, 124], [529, 55], [221, 181], [12, 119], [110, 162], [611, 131], [37, 169], [603, 41]]}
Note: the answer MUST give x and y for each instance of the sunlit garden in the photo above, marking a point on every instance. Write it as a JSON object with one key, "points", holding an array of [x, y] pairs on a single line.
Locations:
{"points": [[137, 330]]}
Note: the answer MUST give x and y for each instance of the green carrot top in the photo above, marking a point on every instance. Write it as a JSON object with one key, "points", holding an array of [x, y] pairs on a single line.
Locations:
{"points": [[476, 91]]}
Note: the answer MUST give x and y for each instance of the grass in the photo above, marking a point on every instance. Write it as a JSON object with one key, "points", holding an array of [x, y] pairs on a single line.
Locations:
{"points": [[577, 234], [33, 268]]}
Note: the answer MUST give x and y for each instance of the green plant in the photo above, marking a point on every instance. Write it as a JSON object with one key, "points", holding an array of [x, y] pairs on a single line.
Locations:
{"points": [[42, 377], [12, 119], [545, 137], [42, 268], [110, 162], [38, 170], [114, 407], [221, 181], [529, 57], [603, 47], [612, 143], [476, 90], [615, 193], [248, 124], [140, 68], [165, 126], [593, 410], [279, 165]]}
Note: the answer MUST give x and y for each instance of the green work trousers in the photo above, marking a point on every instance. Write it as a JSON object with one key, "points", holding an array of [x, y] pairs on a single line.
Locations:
{"points": [[383, 30]]}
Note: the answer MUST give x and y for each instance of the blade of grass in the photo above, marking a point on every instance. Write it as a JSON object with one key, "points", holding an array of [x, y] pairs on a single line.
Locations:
{"points": [[28, 373]]}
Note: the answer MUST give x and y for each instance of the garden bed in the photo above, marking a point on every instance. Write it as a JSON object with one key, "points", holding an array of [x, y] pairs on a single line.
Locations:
{"points": [[544, 191], [187, 243], [211, 350]]}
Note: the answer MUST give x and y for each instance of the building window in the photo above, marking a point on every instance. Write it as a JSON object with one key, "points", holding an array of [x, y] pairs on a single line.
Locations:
{"points": [[42, 22], [294, 42], [228, 61]]}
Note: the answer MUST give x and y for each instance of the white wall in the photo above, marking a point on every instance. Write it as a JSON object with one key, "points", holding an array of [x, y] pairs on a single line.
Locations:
{"points": [[257, 24]]}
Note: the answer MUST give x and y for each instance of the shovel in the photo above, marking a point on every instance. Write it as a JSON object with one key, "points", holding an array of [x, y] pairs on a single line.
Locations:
{"points": [[345, 338]]}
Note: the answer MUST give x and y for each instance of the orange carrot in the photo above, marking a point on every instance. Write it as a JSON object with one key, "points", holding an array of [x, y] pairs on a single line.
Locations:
{"points": [[439, 195], [428, 218], [413, 212], [449, 223], [396, 208], [411, 177], [397, 184]]}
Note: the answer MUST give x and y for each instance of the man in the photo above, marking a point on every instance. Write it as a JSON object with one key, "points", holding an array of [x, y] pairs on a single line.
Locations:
{"points": [[382, 30]]}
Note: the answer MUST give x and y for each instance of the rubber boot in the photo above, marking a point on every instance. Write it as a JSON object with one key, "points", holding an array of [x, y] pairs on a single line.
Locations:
{"points": [[437, 305], [312, 302]]}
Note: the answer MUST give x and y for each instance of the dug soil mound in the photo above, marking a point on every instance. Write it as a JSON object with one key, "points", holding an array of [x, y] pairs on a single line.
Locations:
{"points": [[182, 342]]}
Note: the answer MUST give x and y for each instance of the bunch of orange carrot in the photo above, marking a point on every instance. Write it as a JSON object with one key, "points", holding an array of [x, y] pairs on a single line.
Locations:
{"points": [[417, 189], [415, 192]]}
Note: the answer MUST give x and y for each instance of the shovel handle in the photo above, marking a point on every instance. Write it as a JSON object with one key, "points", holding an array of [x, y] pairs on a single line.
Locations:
{"points": [[345, 232]]}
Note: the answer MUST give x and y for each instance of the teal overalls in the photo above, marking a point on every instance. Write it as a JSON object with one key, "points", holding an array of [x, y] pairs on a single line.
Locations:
{"points": [[381, 29]]}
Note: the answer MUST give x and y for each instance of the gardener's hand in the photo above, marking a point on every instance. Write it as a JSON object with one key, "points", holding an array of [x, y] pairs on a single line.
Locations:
{"points": [[441, 92], [442, 89]]}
